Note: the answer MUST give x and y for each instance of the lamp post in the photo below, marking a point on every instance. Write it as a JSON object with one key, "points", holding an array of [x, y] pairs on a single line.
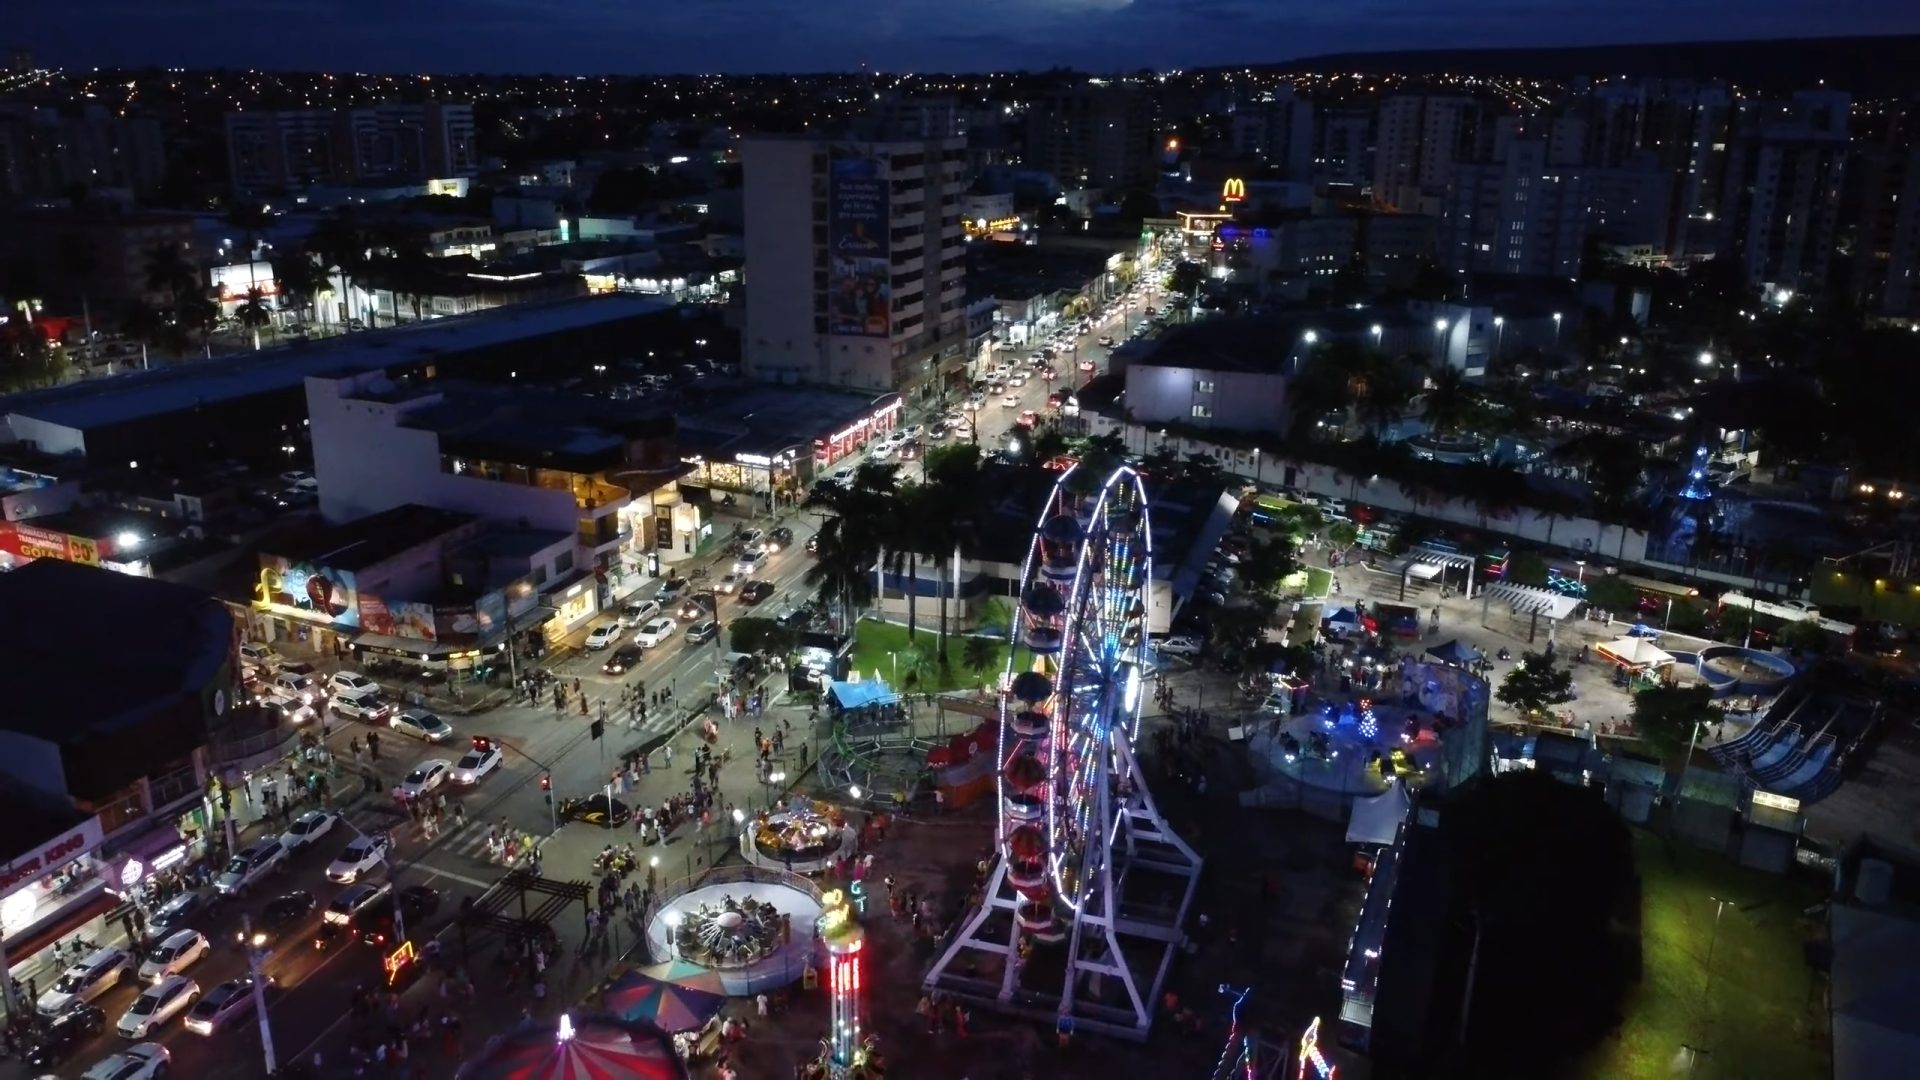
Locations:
{"points": [[1556, 331], [257, 951], [1377, 331], [1499, 334], [1440, 339]]}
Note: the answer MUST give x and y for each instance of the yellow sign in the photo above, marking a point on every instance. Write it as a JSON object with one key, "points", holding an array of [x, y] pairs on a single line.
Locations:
{"points": [[1235, 190]]}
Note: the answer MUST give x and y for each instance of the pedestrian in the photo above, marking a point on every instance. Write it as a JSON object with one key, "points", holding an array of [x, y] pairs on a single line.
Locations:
{"points": [[667, 750], [760, 1004]]}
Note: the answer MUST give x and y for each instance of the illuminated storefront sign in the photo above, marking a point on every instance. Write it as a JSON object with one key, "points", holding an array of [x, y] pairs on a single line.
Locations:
{"points": [[30, 542], [305, 591], [1234, 190], [50, 855]]}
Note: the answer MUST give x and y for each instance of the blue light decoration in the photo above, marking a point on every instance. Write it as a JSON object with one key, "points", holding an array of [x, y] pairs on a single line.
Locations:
{"points": [[1326, 716], [1697, 487], [1237, 1056], [1564, 585], [1369, 723]]}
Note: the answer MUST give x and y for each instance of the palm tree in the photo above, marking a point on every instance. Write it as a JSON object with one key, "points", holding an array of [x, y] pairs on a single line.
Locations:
{"points": [[977, 653], [251, 219], [1448, 400], [299, 280], [840, 572], [254, 314], [343, 252], [169, 271], [1322, 385]]}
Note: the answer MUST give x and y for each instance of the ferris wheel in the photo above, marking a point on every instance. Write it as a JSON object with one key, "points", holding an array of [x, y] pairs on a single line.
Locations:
{"points": [[1075, 818]]}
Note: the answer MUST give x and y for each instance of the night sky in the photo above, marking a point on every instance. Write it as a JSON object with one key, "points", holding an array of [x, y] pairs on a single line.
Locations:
{"points": [[622, 36]]}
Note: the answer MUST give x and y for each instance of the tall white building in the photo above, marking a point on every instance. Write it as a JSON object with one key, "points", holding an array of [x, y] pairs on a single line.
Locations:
{"points": [[1780, 200], [1419, 142], [855, 262], [1518, 216]]}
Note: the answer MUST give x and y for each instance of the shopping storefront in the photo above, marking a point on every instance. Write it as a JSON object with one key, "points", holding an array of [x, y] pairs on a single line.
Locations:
{"points": [[50, 891], [884, 418]]}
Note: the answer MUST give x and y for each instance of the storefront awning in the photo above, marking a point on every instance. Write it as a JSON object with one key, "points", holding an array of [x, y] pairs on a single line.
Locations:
{"points": [[411, 648]]}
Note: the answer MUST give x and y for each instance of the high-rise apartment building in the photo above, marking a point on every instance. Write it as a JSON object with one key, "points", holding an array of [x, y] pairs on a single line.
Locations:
{"points": [[277, 150], [1278, 132], [1681, 127], [1520, 216], [1780, 192], [1418, 142], [1343, 147], [1097, 135], [47, 151], [1886, 238], [855, 262]]}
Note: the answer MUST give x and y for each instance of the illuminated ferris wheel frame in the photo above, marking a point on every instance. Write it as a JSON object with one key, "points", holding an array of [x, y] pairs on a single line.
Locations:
{"points": [[1075, 814]]}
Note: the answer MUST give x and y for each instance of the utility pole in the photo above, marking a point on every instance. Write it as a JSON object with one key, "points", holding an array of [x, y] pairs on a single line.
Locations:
{"points": [[256, 951]]}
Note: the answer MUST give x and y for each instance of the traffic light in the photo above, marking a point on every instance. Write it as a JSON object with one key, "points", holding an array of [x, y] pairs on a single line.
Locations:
{"points": [[546, 781], [597, 728]]}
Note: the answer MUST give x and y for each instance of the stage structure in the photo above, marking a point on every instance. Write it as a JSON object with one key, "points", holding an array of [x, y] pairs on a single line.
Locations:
{"points": [[1089, 887]]}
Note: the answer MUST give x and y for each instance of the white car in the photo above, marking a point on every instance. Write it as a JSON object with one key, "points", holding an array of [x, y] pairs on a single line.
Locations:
{"points": [[158, 1004], [351, 682], [294, 476], [1017, 379], [1180, 646], [883, 452], [1011, 401], [638, 612], [654, 633], [602, 636], [254, 862], [307, 828], [290, 708], [181, 950], [422, 725], [476, 763], [141, 1061], [367, 707], [424, 779], [730, 582], [361, 856], [223, 1005], [749, 563]]}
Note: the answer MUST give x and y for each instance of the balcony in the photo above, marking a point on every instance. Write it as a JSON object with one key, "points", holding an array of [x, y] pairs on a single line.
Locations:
{"points": [[246, 745], [600, 498]]}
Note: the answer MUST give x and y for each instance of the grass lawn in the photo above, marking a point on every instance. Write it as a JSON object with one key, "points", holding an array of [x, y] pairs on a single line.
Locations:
{"points": [[875, 645], [1319, 582], [1762, 1019]]}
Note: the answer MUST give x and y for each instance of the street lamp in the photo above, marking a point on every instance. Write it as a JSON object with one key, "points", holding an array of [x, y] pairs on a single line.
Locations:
{"points": [[257, 951], [1499, 333], [1706, 358], [1439, 337], [854, 791], [1310, 337], [1556, 331]]}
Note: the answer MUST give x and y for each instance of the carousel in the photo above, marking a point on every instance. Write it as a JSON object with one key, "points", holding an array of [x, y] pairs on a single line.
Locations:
{"points": [[732, 933], [804, 837]]}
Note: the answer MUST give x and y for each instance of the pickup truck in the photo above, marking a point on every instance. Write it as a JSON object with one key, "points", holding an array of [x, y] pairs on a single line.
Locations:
{"points": [[1789, 609]]}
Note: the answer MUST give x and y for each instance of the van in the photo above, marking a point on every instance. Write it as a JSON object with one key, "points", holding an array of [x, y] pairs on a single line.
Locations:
{"points": [[107, 968]]}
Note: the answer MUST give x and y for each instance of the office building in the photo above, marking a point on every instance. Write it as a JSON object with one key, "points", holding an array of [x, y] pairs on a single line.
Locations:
{"points": [[855, 262], [46, 152], [285, 150], [1519, 216], [1419, 140], [1277, 132], [1097, 135], [1780, 193]]}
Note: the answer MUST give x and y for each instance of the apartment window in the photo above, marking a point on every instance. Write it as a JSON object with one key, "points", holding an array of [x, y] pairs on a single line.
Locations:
{"points": [[1203, 386], [563, 564], [1203, 412]]}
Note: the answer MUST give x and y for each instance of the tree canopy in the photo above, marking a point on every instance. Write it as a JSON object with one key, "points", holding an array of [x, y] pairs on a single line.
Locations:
{"points": [[1664, 716], [1535, 685]]}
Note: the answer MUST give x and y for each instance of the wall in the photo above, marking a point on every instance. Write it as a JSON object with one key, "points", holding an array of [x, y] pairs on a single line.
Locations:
{"points": [[1573, 533], [1237, 400], [779, 343], [32, 762], [365, 463]]}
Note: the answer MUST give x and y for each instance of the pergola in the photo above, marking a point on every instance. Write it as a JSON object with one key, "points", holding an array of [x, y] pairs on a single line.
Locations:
{"points": [[487, 914], [1427, 563], [1530, 602]]}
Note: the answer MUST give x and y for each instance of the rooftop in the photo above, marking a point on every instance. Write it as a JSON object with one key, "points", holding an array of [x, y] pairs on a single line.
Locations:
{"points": [[106, 522], [514, 543], [67, 685], [98, 403], [741, 417], [357, 545]]}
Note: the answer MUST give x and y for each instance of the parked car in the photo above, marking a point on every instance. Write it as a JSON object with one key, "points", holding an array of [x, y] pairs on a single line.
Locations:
{"points": [[602, 636], [253, 862], [670, 589], [58, 1038], [158, 1004], [637, 612], [1179, 646], [654, 633], [177, 912], [307, 828], [102, 970], [422, 725], [350, 682], [360, 856], [703, 631]]}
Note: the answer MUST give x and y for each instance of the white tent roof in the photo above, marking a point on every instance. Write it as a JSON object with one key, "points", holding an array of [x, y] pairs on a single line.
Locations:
{"points": [[1633, 650], [1377, 820], [1530, 600]]}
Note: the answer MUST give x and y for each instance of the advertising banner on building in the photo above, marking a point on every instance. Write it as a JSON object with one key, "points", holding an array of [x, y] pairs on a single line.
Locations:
{"points": [[859, 292], [316, 593], [29, 542]]}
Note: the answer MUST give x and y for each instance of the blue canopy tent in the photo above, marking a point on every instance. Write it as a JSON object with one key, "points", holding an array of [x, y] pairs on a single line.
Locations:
{"points": [[1455, 652], [856, 695]]}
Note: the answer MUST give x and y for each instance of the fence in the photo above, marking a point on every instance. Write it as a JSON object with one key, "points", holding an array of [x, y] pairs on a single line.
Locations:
{"points": [[731, 874]]}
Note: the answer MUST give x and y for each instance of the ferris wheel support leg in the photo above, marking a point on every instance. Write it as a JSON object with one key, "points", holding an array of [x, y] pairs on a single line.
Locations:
{"points": [[945, 976]]}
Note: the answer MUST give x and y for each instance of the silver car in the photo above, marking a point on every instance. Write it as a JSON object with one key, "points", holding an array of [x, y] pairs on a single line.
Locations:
{"points": [[158, 1004]]}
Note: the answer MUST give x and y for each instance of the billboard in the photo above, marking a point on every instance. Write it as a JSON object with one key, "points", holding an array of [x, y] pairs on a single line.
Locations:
{"points": [[306, 591], [859, 290], [29, 542]]}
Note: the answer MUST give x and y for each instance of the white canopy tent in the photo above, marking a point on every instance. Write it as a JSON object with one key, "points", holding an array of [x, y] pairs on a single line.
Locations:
{"points": [[1377, 820], [1635, 652]]}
